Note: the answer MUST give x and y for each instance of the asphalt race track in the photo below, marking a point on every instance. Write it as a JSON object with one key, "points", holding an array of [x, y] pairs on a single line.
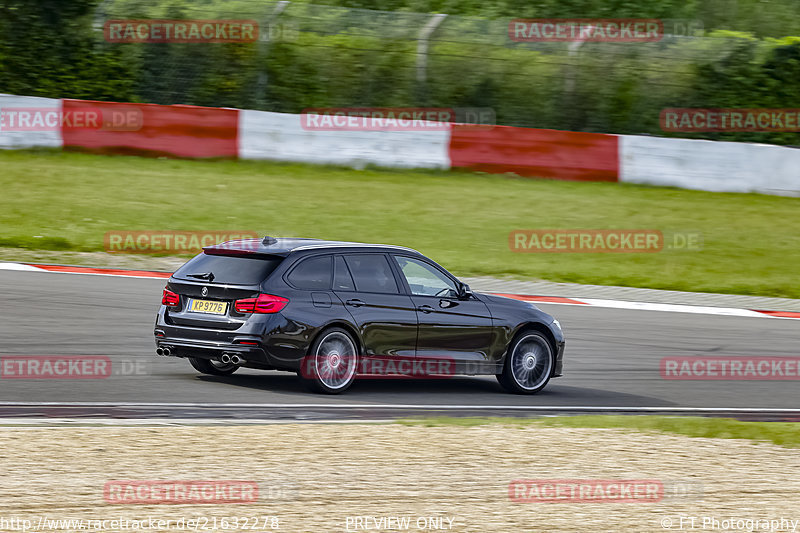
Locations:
{"points": [[612, 356]]}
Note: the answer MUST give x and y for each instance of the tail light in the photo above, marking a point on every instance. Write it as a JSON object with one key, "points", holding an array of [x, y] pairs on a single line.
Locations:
{"points": [[170, 299], [265, 303]]}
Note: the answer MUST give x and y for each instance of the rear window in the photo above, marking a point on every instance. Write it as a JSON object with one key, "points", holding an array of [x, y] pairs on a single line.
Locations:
{"points": [[229, 269]]}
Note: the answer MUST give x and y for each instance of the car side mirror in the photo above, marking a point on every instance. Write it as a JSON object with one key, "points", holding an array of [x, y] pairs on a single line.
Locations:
{"points": [[464, 292]]}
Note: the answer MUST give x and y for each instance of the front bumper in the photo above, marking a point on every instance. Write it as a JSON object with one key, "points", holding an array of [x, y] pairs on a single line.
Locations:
{"points": [[558, 370]]}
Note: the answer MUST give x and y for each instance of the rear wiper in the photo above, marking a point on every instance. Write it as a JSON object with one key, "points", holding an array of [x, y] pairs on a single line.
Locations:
{"points": [[205, 275]]}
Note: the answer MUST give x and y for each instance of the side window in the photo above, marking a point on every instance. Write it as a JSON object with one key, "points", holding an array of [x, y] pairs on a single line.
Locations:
{"points": [[372, 273], [342, 280], [312, 274], [424, 279]]}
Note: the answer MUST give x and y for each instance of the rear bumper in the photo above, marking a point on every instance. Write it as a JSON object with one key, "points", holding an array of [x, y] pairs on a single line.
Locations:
{"points": [[212, 350], [204, 343]]}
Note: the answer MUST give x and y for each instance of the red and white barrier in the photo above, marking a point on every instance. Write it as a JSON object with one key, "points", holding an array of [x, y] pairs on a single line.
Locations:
{"points": [[29, 134], [191, 131], [552, 154], [282, 137], [709, 165], [173, 130]]}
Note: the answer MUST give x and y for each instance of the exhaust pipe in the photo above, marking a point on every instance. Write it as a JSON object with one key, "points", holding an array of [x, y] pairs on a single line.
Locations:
{"points": [[225, 358], [165, 351], [236, 360], [159, 351]]}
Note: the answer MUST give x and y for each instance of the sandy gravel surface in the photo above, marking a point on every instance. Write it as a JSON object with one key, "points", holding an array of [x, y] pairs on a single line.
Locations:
{"points": [[312, 477]]}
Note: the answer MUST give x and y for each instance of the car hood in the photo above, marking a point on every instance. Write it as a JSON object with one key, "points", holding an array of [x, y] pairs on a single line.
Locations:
{"points": [[493, 301]]}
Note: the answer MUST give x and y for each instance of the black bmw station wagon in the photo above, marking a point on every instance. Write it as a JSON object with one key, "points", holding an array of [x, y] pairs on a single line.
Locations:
{"points": [[333, 310]]}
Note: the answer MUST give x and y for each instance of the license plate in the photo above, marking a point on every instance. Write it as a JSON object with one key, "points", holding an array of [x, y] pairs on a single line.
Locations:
{"points": [[208, 306]]}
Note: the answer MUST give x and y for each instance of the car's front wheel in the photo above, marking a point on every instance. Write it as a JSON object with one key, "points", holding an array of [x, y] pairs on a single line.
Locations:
{"points": [[331, 364], [215, 368], [528, 365]]}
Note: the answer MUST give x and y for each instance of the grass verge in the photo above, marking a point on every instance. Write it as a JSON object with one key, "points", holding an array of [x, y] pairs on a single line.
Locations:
{"points": [[785, 434], [68, 201]]}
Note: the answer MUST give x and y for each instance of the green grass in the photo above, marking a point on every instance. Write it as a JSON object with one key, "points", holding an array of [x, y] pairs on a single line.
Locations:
{"points": [[781, 433], [67, 201]]}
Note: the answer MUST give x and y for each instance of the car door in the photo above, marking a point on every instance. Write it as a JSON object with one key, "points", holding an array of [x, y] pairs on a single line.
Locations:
{"points": [[310, 282], [449, 327], [387, 321]]}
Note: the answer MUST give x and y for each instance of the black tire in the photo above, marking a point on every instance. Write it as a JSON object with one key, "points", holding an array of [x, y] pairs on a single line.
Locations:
{"points": [[332, 362], [529, 364], [215, 368]]}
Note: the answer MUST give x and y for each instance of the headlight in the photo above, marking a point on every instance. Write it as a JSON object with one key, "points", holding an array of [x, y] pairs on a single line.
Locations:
{"points": [[557, 323]]}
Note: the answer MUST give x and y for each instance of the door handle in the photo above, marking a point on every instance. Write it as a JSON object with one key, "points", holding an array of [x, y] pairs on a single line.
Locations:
{"points": [[425, 308], [354, 303]]}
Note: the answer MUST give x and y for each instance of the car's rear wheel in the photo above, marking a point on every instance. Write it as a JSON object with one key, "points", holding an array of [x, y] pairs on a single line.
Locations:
{"points": [[331, 364], [528, 365], [215, 368]]}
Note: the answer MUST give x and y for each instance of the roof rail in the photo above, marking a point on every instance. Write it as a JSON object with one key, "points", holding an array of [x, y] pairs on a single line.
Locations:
{"points": [[353, 245]]}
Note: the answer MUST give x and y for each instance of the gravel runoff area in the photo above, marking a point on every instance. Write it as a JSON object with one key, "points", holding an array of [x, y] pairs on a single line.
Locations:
{"points": [[324, 477]]}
